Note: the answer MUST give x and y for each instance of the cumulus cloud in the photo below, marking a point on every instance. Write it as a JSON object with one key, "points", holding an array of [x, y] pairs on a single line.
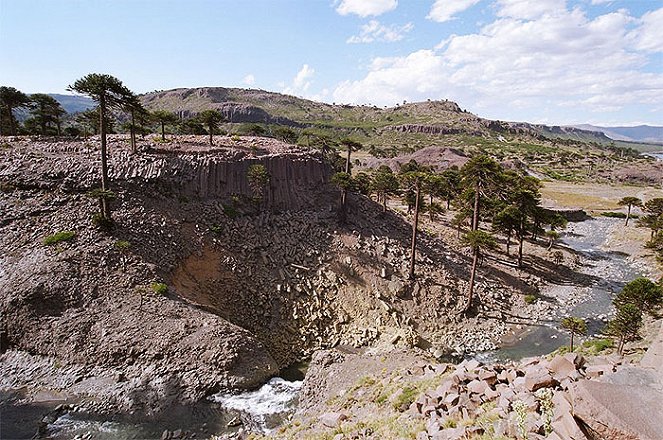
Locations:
{"points": [[547, 57], [375, 31], [649, 36], [530, 9], [444, 10], [249, 80], [365, 8], [301, 82]]}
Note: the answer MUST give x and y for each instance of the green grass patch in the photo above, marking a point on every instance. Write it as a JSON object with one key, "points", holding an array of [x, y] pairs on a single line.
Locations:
{"points": [[59, 237], [530, 299]]}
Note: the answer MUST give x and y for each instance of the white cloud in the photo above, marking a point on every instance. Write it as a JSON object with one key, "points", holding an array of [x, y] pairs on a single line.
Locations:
{"points": [[301, 82], [365, 8], [249, 80], [557, 61], [374, 31], [601, 2], [444, 10], [530, 9], [649, 36]]}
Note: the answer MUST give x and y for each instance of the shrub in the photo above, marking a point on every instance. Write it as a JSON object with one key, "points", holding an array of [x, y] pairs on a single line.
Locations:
{"points": [[59, 237], [613, 214], [159, 288], [122, 245], [530, 299], [102, 222]]}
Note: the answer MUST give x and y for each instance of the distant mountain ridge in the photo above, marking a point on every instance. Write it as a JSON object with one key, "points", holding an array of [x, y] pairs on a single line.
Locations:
{"points": [[639, 133], [431, 117], [74, 103]]}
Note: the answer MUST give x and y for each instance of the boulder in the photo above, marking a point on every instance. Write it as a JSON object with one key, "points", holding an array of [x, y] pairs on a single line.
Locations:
{"points": [[332, 420], [619, 412]]}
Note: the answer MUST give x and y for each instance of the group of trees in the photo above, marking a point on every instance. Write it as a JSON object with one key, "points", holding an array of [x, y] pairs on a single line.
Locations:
{"points": [[487, 198], [45, 113]]}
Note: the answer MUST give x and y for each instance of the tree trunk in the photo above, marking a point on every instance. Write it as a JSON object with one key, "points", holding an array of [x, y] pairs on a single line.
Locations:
{"points": [[628, 215], [105, 203], [571, 342], [475, 214], [508, 242], [550, 243], [415, 224], [343, 214], [347, 160], [521, 239], [163, 131], [211, 134], [132, 132], [384, 203], [473, 271], [12, 125]]}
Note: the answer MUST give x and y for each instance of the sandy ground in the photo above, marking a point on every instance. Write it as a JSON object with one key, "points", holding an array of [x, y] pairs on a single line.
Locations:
{"points": [[593, 196]]}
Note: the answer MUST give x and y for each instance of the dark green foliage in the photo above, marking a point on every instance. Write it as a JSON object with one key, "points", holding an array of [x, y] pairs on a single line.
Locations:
{"points": [[46, 114], [59, 237], [363, 183], [385, 184], [285, 133], [612, 214], [211, 119], [164, 118], [530, 299], [642, 293], [10, 100], [626, 324], [630, 202]]}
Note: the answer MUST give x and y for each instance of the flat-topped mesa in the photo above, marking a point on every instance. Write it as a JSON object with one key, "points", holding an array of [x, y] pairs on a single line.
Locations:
{"points": [[188, 167]]}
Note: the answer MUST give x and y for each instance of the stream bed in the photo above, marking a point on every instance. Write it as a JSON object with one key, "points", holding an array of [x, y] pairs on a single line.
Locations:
{"points": [[608, 270]]}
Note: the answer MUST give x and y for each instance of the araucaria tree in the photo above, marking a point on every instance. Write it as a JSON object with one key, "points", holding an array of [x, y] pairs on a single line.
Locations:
{"points": [[345, 183], [625, 325], [575, 326], [258, 178], [477, 241], [385, 184], [350, 146], [109, 93], [413, 179], [212, 119], [164, 117], [136, 111], [629, 202], [479, 175], [46, 113], [10, 100]]}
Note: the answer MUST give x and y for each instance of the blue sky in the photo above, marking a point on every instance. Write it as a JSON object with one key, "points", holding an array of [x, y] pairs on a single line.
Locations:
{"points": [[548, 61]]}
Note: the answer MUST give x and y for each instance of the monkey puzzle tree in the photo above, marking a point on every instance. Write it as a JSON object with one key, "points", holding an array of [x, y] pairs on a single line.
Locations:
{"points": [[109, 93], [46, 112], [345, 183], [477, 241], [575, 326], [10, 100], [629, 202], [212, 119], [385, 184], [164, 117], [350, 146], [643, 293], [258, 178], [625, 325], [136, 111], [413, 179], [479, 175]]}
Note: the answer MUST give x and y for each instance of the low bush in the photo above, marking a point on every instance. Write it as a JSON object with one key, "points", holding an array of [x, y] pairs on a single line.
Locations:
{"points": [[59, 237], [530, 299], [159, 288]]}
